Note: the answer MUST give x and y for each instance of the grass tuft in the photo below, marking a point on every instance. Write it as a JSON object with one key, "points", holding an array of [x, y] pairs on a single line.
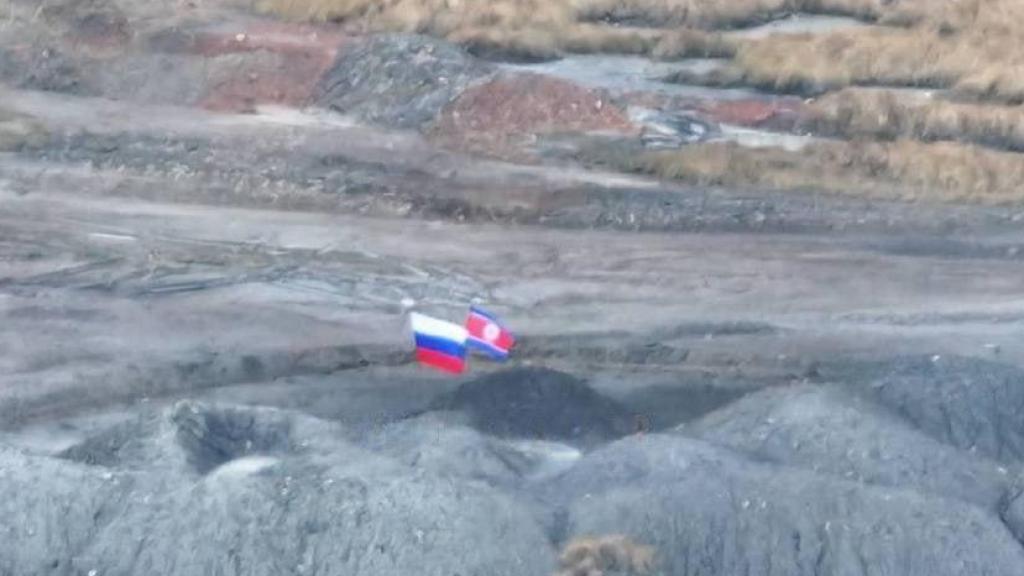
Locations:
{"points": [[536, 27], [890, 115], [605, 556], [901, 170], [18, 131], [970, 46]]}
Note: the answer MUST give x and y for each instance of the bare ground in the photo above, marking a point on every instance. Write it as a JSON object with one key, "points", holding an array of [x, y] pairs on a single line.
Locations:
{"points": [[158, 274], [172, 269]]}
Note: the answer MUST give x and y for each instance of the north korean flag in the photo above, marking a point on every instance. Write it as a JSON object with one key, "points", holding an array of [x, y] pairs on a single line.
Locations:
{"points": [[487, 334]]}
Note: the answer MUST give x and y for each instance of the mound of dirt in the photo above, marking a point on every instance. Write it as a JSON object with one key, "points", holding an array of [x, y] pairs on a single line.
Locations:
{"points": [[538, 403], [442, 445], [397, 80], [51, 510], [829, 430], [707, 511], [1013, 515], [512, 110], [268, 492], [196, 438], [268, 63], [972, 404]]}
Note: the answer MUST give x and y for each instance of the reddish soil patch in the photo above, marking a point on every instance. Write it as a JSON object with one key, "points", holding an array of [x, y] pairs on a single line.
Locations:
{"points": [[280, 64], [777, 113], [266, 79], [506, 113]]}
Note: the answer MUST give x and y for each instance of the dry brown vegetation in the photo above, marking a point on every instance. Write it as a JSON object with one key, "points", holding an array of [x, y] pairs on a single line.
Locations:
{"points": [[971, 46], [18, 131], [888, 115], [544, 28], [933, 147], [692, 13], [605, 556], [689, 43], [904, 169]]}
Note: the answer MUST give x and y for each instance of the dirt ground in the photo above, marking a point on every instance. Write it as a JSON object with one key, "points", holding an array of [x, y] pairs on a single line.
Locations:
{"points": [[204, 279], [112, 276]]}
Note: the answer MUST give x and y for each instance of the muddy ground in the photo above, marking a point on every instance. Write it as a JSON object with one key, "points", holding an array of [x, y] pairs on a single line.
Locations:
{"points": [[204, 367]]}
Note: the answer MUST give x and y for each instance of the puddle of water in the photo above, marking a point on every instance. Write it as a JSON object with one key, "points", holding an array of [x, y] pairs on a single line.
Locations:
{"points": [[621, 74], [798, 24]]}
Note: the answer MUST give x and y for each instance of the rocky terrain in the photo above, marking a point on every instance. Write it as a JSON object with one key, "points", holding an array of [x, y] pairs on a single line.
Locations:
{"points": [[212, 211]]}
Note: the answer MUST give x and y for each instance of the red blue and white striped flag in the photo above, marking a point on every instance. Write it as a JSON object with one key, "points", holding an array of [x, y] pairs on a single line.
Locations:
{"points": [[487, 334], [439, 344]]}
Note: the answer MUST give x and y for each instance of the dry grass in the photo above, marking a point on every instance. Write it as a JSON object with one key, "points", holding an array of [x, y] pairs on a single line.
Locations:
{"points": [[969, 45], [693, 13], [530, 28], [884, 114], [605, 556], [545, 27], [18, 131], [815, 63], [689, 43], [588, 38], [904, 170]]}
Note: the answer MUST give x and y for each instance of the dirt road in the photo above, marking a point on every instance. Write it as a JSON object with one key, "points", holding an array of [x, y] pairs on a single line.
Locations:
{"points": [[140, 269]]}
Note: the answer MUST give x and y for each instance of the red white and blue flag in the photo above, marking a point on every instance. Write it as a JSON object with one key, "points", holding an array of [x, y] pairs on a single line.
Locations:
{"points": [[439, 344], [487, 334]]}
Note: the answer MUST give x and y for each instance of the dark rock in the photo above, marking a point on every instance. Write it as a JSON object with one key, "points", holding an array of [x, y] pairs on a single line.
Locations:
{"points": [[538, 403], [708, 511], [397, 80]]}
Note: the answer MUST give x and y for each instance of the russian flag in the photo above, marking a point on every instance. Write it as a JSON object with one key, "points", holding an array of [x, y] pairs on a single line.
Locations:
{"points": [[439, 344], [487, 334]]}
